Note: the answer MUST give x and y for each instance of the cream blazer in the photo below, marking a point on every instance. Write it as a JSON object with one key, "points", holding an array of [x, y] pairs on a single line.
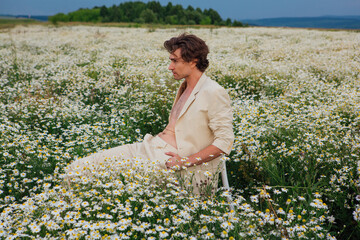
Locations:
{"points": [[206, 119]]}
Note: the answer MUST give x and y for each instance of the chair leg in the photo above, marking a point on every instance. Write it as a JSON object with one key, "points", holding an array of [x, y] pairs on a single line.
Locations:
{"points": [[225, 181]]}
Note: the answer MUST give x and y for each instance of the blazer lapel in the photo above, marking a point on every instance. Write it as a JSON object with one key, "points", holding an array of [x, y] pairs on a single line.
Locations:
{"points": [[192, 95], [179, 92]]}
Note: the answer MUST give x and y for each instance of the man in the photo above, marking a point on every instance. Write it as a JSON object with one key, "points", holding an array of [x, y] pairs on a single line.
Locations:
{"points": [[200, 122]]}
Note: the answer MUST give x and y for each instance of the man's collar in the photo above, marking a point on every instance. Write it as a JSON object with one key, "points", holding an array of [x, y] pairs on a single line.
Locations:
{"points": [[192, 96], [199, 84]]}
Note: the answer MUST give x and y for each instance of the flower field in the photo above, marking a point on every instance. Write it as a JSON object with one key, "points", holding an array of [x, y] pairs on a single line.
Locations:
{"points": [[69, 91]]}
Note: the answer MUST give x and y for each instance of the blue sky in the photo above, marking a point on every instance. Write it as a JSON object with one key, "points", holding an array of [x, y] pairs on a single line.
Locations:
{"points": [[234, 9]]}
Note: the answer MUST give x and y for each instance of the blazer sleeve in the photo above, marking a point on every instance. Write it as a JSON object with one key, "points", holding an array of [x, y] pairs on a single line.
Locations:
{"points": [[220, 119]]}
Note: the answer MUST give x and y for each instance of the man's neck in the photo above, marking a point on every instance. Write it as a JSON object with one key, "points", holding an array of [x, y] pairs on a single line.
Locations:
{"points": [[192, 79]]}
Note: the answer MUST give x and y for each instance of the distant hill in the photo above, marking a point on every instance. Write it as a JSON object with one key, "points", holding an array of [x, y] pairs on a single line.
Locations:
{"points": [[330, 22], [39, 18]]}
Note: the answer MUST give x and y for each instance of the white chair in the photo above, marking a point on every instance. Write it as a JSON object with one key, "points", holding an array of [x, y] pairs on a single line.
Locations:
{"points": [[225, 182]]}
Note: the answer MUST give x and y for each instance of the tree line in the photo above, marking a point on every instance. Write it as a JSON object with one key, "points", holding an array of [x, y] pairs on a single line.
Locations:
{"points": [[150, 12]]}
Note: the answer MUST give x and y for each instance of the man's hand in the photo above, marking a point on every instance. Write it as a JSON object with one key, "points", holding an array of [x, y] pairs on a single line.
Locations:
{"points": [[205, 155], [174, 162]]}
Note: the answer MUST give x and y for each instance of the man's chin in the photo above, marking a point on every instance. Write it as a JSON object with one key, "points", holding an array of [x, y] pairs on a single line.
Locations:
{"points": [[177, 77]]}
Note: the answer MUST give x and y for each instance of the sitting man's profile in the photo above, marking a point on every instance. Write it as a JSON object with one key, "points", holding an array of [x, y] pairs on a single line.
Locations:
{"points": [[200, 127]]}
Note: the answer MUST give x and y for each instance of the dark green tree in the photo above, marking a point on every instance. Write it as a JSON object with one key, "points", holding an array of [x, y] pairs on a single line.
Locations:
{"points": [[237, 24], [228, 22], [214, 16], [155, 7], [194, 16], [115, 14], [104, 12], [85, 15], [132, 10], [148, 15], [205, 20], [158, 10], [168, 8], [172, 20], [60, 17], [190, 8], [150, 12]]}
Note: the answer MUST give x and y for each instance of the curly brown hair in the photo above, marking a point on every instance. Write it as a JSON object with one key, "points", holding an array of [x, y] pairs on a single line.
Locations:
{"points": [[192, 47]]}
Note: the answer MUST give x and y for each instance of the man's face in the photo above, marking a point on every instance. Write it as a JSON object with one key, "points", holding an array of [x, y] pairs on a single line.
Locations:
{"points": [[180, 68]]}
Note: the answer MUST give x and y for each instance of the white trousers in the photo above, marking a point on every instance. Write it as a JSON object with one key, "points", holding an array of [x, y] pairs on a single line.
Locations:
{"points": [[198, 179], [151, 148]]}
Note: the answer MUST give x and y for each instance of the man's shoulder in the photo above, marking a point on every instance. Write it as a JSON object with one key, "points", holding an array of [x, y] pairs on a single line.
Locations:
{"points": [[211, 85]]}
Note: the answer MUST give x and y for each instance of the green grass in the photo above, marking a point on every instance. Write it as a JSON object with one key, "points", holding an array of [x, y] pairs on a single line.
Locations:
{"points": [[12, 22]]}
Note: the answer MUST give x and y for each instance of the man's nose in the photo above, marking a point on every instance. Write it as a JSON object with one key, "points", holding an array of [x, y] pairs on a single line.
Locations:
{"points": [[171, 66]]}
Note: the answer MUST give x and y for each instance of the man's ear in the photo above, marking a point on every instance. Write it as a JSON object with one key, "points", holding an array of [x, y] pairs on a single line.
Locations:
{"points": [[194, 62]]}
